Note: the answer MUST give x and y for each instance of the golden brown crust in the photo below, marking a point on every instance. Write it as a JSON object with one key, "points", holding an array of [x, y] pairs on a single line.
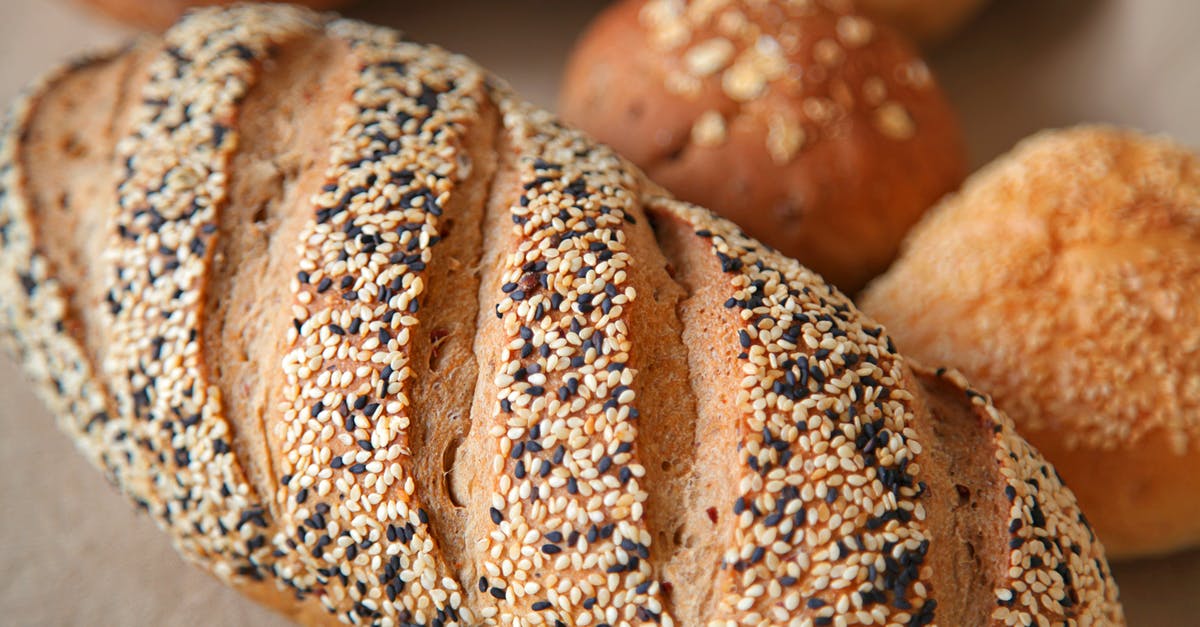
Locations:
{"points": [[311, 458], [1062, 278], [790, 119]]}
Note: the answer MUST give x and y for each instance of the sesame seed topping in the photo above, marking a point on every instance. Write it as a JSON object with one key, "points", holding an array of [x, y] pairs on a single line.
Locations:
{"points": [[565, 398], [174, 185], [376, 224]]}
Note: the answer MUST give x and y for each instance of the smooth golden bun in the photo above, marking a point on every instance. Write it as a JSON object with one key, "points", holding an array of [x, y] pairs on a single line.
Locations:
{"points": [[925, 21], [1063, 279], [814, 129], [157, 15]]}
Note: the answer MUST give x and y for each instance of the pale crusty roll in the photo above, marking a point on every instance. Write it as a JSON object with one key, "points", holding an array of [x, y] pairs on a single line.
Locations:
{"points": [[1064, 279], [374, 340]]}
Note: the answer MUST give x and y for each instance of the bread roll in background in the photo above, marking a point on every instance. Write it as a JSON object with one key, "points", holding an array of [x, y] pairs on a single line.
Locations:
{"points": [[815, 130], [927, 22], [159, 14], [375, 340], [1065, 280]]}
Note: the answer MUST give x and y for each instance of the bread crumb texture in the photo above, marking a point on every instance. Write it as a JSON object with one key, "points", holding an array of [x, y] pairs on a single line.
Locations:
{"points": [[830, 520]]}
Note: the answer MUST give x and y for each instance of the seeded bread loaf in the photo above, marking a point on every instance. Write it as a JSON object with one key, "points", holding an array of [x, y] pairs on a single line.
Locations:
{"points": [[820, 132], [374, 340], [1065, 277]]}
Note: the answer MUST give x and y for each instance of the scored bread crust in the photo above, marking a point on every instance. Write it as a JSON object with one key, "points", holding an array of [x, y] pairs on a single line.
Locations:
{"points": [[363, 331]]}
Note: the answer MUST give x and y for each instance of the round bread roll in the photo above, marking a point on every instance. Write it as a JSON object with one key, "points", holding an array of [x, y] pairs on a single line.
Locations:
{"points": [[159, 14], [925, 21], [377, 341], [815, 130], [1065, 279]]}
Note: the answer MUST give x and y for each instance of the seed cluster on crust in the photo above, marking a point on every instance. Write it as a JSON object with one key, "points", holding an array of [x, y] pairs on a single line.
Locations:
{"points": [[568, 545], [1055, 566], [347, 492], [750, 49], [174, 183], [830, 518]]}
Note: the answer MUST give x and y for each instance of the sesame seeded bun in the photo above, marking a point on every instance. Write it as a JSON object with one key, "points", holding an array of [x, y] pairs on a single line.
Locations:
{"points": [[1063, 279], [159, 14], [816, 130], [378, 342], [925, 21]]}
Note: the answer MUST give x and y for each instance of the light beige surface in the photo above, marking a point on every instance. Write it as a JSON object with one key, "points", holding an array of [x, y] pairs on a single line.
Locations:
{"points": [[75, 553]]}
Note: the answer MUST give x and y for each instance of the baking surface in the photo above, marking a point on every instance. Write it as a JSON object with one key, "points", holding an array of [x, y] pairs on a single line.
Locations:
{"points": [[75, 552]]}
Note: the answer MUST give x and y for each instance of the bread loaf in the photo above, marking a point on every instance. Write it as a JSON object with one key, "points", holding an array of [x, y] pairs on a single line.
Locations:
{"points": [[820, 132], [374, 340], [1065, 279]]}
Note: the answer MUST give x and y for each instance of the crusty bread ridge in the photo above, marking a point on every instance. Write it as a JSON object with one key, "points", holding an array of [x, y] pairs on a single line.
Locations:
{"points": [[375, 340]]}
